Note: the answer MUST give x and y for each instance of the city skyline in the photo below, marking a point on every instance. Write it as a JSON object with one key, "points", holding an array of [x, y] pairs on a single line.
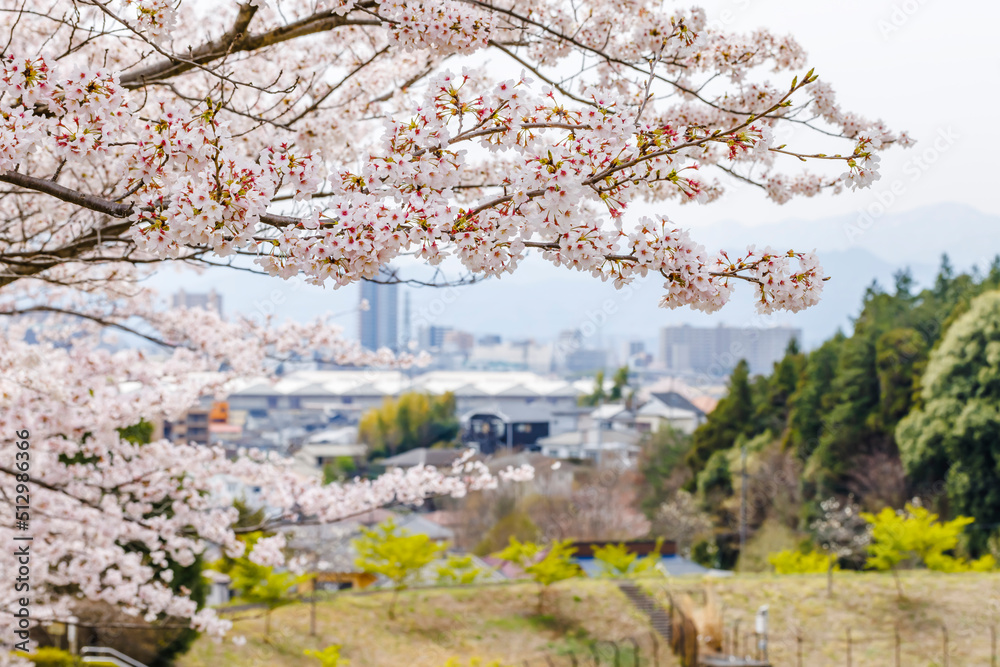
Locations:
{"points": [[715, 351], [510, 307]]}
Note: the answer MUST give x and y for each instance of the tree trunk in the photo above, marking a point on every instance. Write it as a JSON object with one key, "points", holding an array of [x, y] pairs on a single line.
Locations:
{"points": [[392, 604], [899, 586], [267, 622], [312, 611], [829, 579]]}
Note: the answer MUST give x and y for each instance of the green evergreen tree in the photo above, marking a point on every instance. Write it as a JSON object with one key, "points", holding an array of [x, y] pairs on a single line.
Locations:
{"points": [[813, 397], [619, 383], [731, 418], [945, 276], [777, 390], [839, 407], [900, 356], [955, 435], [662, 454], [715, 482], [597, 396]]}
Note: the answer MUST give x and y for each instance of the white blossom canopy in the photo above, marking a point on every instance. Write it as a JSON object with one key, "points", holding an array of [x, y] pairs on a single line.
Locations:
{"points": [[328, 138]]}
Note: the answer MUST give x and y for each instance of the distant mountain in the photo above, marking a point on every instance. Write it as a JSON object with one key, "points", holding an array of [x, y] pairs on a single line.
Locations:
{"points": [[911, 237]]}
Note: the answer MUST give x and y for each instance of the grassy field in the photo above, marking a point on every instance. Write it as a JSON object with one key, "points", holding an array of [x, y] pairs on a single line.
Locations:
{"points": [[967, 604], [490, 622], [500, 622]]}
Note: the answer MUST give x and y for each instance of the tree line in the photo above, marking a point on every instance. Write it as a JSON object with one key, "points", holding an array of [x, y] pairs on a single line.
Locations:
{"points": [[906, 405]]}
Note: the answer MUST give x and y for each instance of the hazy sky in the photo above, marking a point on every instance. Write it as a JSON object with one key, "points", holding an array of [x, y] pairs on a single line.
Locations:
{"points": [[926, 66], [929, 67]]}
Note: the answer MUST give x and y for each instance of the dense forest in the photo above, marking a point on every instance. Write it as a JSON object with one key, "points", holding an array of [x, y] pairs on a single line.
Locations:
{"points": [[906, 406]]}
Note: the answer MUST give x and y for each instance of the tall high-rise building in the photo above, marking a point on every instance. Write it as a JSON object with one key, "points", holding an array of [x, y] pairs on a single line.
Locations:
{"points": [[210, 300], [380, 322], [406, 332], [716, 351]]}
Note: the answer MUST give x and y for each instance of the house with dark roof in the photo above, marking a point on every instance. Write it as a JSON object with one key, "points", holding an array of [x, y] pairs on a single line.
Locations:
{"points": [[493, 428], [668, 408]]}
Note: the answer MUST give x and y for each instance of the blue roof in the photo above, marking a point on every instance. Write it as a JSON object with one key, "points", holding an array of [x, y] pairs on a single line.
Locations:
{"points": [[675, 566]]}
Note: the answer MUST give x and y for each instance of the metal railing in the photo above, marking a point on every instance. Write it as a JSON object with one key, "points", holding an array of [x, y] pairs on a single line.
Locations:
{"points": [[105, 654]]}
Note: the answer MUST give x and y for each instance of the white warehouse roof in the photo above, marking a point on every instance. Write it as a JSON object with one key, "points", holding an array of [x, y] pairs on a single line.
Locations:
{"points": [[393, 383]]}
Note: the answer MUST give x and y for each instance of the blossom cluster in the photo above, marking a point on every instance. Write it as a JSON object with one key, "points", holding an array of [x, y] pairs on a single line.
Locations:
{"points": [[75, 115], [447, 26], [155, 19]]}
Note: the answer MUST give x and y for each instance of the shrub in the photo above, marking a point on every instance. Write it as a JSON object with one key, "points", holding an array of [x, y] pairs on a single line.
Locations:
{"points": [[48, 656], [914, 536], [796, 562], [458, 570], [395, 554], [328, 657], [617, 562], [555, 566]]}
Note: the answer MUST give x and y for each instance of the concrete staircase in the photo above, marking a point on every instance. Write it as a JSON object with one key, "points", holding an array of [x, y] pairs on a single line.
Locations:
{"points": [[658, 616]]}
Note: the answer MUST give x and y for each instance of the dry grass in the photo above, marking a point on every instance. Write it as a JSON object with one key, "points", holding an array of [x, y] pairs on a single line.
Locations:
{"points": [[707, 617], [499, 622], [489, 622], [967, 604]]}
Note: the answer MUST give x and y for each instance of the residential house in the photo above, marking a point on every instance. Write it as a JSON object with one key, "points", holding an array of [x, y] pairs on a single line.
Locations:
{"points": [[669, 408], [597, 445], [606, 433], [329, 445]]}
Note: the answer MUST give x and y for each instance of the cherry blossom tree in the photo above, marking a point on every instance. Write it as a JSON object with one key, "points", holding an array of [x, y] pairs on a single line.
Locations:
{"points": [[108, 516], [325, 139], [842, 533]]}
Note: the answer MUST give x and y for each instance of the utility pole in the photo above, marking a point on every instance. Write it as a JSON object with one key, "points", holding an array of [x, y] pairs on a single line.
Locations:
{"points": [[312, 608], [599, 437], [743, 503]]}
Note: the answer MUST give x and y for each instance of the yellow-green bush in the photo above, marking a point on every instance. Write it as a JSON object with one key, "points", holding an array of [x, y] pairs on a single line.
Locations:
{"points": [[796, 562], [48, 656], [328, 657], [916, 536]]}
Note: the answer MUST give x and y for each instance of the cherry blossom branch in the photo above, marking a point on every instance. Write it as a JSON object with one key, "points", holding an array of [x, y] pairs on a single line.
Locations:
{"points": [[237, 40], [104, 322]]}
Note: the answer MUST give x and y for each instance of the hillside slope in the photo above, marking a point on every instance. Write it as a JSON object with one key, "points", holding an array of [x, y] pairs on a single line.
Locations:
{"points": [[433, 625]]}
